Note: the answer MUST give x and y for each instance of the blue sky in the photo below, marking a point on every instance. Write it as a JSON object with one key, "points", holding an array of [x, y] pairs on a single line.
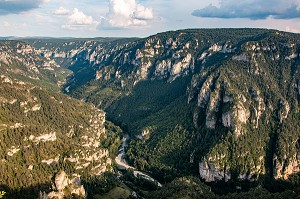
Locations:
{"points": [[141, 18]]}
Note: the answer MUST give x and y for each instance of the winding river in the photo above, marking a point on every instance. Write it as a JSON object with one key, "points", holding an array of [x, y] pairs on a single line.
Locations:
{"points": [[120, 160]]}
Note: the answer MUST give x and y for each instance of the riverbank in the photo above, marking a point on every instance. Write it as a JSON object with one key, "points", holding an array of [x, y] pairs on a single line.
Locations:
{"points": [[121, 162]]}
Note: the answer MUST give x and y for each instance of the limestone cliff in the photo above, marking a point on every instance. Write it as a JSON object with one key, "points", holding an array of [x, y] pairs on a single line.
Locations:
{"points": [[64, 187]]}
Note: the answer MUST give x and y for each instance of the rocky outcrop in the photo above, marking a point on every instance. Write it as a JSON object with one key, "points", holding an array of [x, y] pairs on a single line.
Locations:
{"points": [[64, 187], [143, 71], [204, 94], [286, 167], [216, 48], [162, 68], [292, 56], [43, 138], [209, 172], [50, 161], [241, 115], [213, 94], [259, 105], [213, 108], [61, 181], [283, 111], [13, 150]]}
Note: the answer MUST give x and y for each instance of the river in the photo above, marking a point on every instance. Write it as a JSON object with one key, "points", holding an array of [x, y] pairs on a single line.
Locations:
{"points": [[120, 160]]}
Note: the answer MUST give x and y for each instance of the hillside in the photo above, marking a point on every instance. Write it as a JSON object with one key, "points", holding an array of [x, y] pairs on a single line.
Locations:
{"points": [[43, 132], [23, 62]]}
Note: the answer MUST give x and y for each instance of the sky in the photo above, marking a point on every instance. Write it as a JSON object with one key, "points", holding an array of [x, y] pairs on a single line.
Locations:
{"points": [[141, 18]]}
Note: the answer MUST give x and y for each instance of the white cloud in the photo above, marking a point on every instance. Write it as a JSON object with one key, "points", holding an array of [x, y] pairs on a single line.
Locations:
{"points": [[61, 11], [142, 13], [78, 19], [127, 13]]}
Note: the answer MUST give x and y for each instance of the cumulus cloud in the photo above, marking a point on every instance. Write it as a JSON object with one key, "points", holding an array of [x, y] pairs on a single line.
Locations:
{"points": [[127, 13], [18, 6], [252, 9], [62, 11], [78, 19]]}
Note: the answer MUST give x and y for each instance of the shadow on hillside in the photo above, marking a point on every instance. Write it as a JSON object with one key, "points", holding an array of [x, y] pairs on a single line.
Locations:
{"points": [[24, 192]]}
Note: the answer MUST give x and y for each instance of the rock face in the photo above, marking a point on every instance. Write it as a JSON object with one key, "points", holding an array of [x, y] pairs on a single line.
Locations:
{"points": [[65, 187], [213, 108], [210, 173], [283, 169], [284, 109], [43, 138], [61, 180], [205, 91], [228, 110]]}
